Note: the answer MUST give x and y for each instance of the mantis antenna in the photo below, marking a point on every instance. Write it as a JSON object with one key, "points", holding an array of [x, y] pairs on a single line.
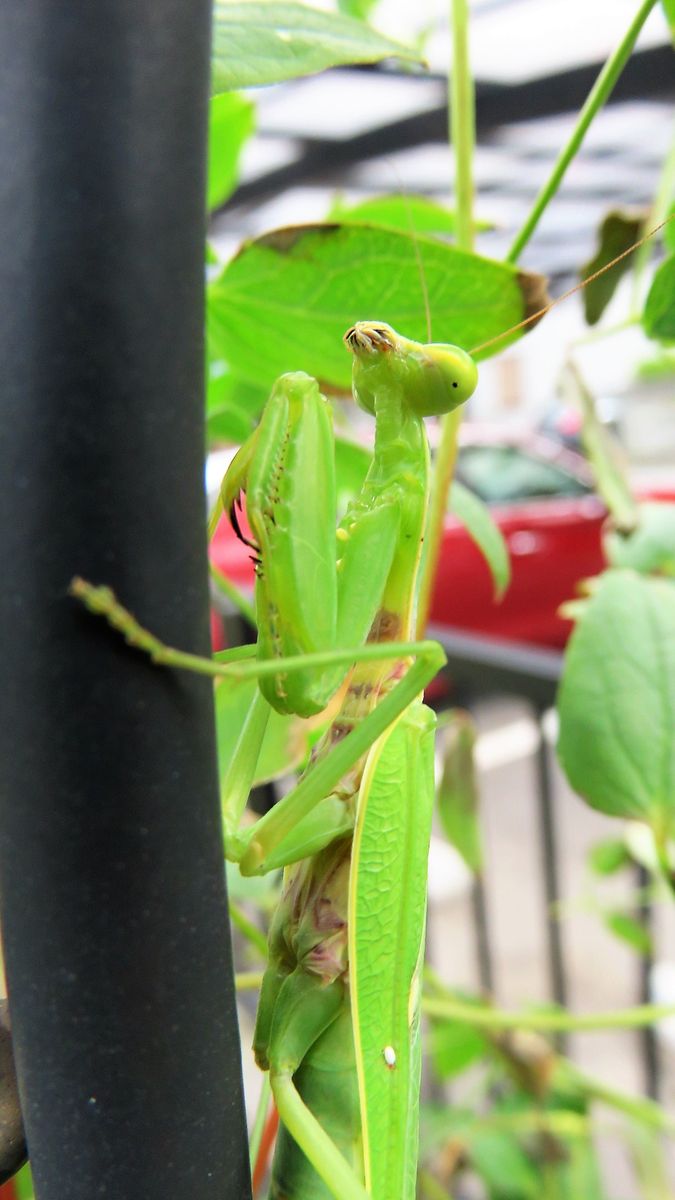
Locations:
{"points": [[570, 291]]}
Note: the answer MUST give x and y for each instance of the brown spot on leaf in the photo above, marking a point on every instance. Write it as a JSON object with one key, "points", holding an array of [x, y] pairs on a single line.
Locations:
{"points": [[534, 288], [285, 239]]}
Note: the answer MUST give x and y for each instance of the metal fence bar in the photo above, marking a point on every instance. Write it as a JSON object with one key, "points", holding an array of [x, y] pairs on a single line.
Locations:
{"points": [[113, 899], [550, 871]]}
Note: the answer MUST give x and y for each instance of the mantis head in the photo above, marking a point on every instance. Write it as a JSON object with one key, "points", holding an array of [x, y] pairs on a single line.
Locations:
{"points": [[432, 379]]}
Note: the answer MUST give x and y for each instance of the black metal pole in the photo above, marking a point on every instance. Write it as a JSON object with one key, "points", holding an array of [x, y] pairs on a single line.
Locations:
{"points": [[113, 899]]}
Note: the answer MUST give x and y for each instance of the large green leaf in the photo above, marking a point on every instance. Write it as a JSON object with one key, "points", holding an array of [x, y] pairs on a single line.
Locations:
{"points": [[658, 318], [481, 526], [617, 700], [285, 301], [231, 122], [266, 42]]}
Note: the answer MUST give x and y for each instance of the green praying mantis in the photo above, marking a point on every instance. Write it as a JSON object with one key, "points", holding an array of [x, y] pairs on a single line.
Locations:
{"points": [[337, 1022], [338, 1017]]}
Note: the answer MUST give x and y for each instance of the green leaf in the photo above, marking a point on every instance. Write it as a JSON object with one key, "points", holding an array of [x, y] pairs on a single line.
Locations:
{"points": [[458, 794], [618, 232], [357, 8], [609, 856], [231, 123], [267, 42], [286, 300], [650, 548], [454, 1047], [410, 214], [287, 738], [659, 366], [23, 1184], [658, 318], [627, 929], [351, 467], [232, 408], [617, 700], [480, 524], [504, 1166]]}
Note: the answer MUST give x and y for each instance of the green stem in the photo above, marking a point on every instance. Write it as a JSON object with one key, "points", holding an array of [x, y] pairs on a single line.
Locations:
{"points": [[462, 104], [638, 1108], [323, 1155], [248, 981], [659, 211], [248, 930], [259, 1121], [546, 1022], [597, 97], [233, 594]]}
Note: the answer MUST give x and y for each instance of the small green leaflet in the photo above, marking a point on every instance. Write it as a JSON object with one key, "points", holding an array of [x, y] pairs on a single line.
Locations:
{"points": [[478, 521], [267, 42], [650, 548], [617, 699], [658, 318], [231, 123], [627, 929], [286, 300], [618, 232], [604, 452], [458, 795], [609, 856]]}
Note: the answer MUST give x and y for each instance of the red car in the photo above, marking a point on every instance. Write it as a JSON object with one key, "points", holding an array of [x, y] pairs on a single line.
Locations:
{"points": [[541, 497]]}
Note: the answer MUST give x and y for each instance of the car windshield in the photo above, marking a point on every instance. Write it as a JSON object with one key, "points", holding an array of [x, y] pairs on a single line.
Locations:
{"points": [[501, 474]]}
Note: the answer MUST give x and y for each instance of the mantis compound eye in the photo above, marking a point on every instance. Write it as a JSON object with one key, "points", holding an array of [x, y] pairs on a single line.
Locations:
{"points": [[441, 377]]}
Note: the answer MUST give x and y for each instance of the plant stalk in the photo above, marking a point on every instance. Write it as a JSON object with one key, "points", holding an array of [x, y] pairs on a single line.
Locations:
{"points": [[546, 1022], [597, 97], [462, 111]]}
